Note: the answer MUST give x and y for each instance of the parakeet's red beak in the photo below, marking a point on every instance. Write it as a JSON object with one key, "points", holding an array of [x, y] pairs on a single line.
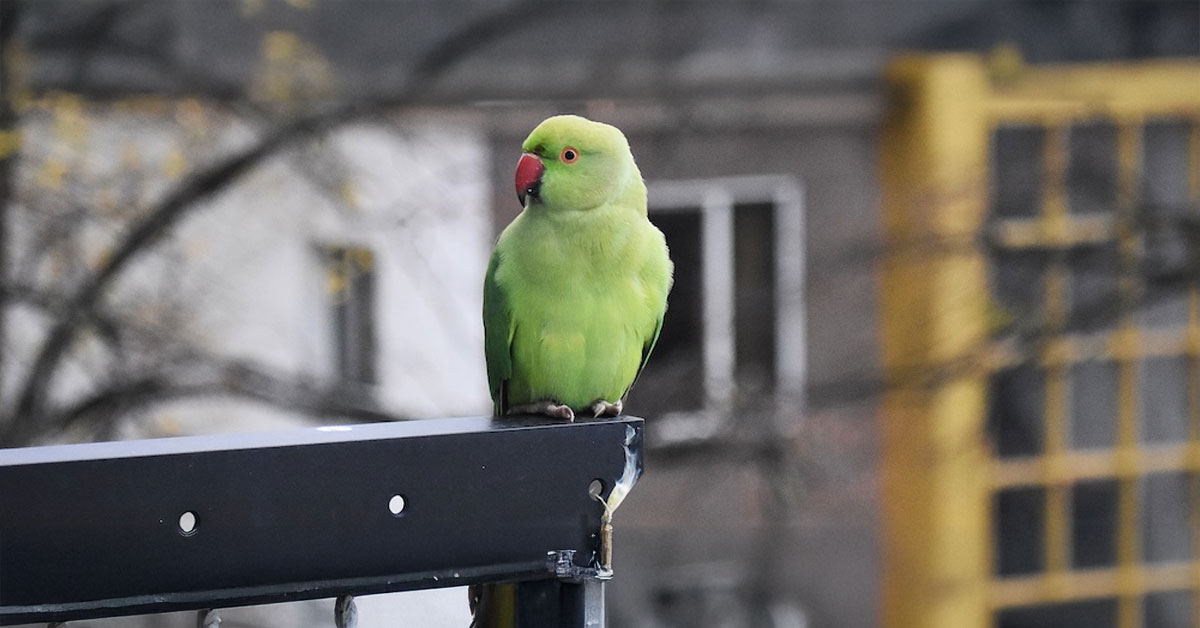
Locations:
{"points": [[529, 176]]}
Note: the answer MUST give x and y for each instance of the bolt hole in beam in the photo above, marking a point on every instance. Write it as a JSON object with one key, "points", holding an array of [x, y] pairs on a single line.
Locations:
{"points": [[188, 523], [397, 504]]}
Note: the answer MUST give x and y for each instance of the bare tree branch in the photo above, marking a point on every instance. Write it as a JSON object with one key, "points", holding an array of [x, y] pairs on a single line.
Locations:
{"points": [[215, 377], [29, 408], [55, 306]]}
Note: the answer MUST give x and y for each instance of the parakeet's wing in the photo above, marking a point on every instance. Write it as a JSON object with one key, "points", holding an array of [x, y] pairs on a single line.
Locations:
{"points": [[498, 327], [647, 349]]}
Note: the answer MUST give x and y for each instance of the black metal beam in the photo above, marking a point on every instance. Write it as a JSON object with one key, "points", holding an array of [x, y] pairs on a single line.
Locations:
{"points": [[96, 530]]}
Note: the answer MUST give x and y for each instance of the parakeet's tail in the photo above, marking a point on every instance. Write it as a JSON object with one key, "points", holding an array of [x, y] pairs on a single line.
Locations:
{"points": [[493, 605]]}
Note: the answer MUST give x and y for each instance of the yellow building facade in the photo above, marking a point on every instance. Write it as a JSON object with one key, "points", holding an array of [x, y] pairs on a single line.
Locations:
{"points": [[1025, 449]]}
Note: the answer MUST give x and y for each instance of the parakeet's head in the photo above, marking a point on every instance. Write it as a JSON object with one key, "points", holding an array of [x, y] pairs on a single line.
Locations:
{"points": [[572, 163]]}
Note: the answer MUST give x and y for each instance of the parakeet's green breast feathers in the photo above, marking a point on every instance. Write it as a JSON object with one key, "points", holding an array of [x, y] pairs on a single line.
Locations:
{"points": [[572, 163]]}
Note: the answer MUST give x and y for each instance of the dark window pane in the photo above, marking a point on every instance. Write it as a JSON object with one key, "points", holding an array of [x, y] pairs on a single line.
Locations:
{"points": [[1168, 609], [1019, 286], [1095, 300], [1015, 408], [1092, 169], [1166, 499], [1165, 167], [1017, 163], [1093, 404], [754, 297], [1163, 397], [1164, 200], [674, 377], [1020, 530], [1165, 301], [1085, 614], [1094, 524], [350, 283]]}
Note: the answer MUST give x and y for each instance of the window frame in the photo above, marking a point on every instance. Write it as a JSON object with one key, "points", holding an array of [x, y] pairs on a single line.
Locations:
{"points": [[716, 200]]}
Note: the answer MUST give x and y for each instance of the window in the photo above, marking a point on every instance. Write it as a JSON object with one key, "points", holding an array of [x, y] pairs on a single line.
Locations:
{"points": [[1096, 369], [350, 289], [733, 337]]}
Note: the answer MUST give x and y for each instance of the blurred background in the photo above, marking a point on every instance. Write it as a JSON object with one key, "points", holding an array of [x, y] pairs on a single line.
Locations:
{"points": [[932, 356]]}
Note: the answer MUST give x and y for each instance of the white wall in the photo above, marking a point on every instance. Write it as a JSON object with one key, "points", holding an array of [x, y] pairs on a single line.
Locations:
{"points": [[242, 277]]}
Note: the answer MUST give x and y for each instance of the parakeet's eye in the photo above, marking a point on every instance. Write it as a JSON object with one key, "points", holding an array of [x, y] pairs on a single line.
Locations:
{"points": [[568, 155]]}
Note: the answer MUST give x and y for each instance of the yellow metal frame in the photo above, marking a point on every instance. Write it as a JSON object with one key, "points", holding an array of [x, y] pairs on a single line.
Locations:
{"points": [[938, 476], [934, 497]]}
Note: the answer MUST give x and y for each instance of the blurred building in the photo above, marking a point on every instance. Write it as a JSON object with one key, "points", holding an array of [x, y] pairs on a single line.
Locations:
{"points": [[324, 264], [1039, 325], [351, 265]]}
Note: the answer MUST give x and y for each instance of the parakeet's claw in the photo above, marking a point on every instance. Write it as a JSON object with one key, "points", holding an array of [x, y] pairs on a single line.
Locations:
{"points": [[560, 411], [548, 408], [604, 408]]}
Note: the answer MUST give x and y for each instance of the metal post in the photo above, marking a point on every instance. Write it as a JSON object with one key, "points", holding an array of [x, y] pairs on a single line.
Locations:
{"points": [[593, 603], [934, 485], [543, 603], [208, 618], [345, 612]]}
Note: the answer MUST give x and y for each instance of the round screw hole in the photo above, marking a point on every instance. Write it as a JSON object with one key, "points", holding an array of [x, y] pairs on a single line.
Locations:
{"points": [[595, 488], [187, 523], [396, 504]]}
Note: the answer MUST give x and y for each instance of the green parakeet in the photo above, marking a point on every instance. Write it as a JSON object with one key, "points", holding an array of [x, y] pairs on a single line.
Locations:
{"points": [[575, 290], [577, 285]]}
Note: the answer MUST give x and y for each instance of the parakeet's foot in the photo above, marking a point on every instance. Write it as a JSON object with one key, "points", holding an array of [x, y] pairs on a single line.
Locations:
{"points": [[604, 408], [548, 408]]}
